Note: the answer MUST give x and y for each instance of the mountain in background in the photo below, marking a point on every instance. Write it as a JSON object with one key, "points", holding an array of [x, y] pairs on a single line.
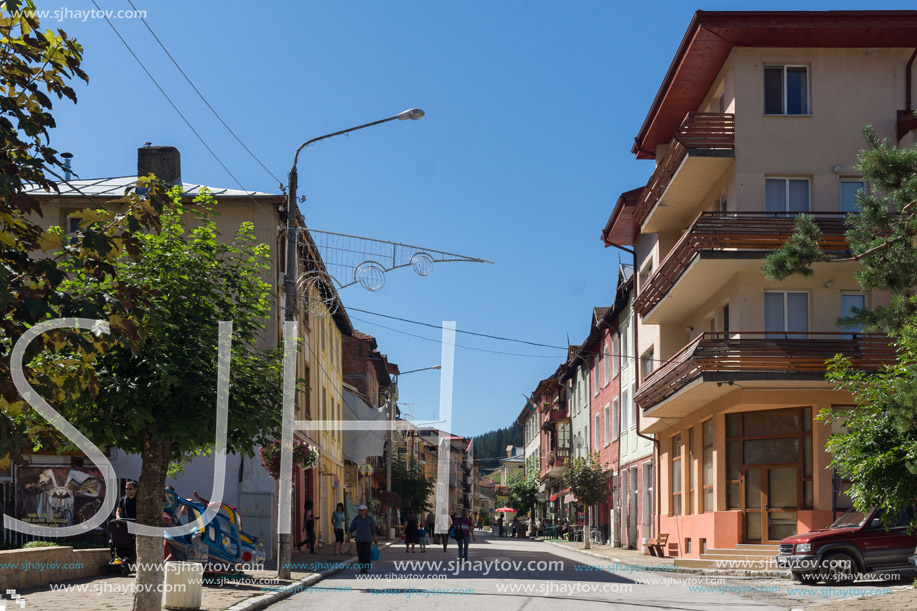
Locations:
{"points": [[490, 447]]}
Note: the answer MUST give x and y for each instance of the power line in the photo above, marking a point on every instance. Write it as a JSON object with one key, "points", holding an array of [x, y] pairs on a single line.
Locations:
{"points": [[437, 341], [174, 106], [201, 96], [484, 335]]}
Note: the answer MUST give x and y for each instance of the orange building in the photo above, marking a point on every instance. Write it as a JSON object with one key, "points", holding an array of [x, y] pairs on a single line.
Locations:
{"points": [[758, 118]]}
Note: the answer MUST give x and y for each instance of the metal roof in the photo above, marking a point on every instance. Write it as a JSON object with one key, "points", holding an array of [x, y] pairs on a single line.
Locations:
{"points": [[115, 187]]}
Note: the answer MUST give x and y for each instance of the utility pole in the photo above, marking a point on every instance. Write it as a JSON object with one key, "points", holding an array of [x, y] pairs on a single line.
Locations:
{"points": [[388, 461]]}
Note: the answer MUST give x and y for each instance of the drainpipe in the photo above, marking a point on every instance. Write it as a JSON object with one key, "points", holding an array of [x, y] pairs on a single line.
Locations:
{"points": [[656, 444], [907, 81]]}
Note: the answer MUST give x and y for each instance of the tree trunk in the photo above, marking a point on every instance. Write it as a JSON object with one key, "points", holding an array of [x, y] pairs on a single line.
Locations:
{"points": [[586, 523], [150, 490]]}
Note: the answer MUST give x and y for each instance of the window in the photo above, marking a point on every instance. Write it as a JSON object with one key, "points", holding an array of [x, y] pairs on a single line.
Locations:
{"points": [[615, 415], [849, 189], [598, 430], [785, 313], [676, 475], [645, 273], [788, 195], [626, 355], [607, 424], [625, 409], [646, 363], [850, 302], [707, 467], [595, 375], [615, 354], [786, 90], [606, 361], [721, 102]]}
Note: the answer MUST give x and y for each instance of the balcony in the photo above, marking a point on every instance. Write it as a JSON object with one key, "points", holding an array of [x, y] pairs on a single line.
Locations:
{"points": [[552, 464], [743, 238], [677, 387], [552, 417], [702, 149]]}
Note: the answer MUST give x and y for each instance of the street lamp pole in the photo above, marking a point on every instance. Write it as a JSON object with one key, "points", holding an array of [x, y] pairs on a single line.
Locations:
{"points": [[391, 443], [285, 511]]}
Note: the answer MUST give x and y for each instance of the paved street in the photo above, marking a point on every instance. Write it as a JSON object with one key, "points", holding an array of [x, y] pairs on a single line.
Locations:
{"points": [[515, 585]]}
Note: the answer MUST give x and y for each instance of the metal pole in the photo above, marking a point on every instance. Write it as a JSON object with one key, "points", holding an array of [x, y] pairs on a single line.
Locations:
{"points": [[388, 462]]}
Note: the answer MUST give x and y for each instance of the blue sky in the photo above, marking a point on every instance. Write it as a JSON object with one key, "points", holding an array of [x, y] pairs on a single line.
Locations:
{"points": [[531, 107]]}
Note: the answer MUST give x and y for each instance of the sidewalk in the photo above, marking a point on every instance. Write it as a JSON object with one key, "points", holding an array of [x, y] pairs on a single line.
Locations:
{"points": [[113, 593], [630, 557]]}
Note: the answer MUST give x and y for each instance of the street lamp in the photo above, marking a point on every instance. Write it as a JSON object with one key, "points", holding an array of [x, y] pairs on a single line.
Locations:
{"points": [[391, 442], [285, 502]]}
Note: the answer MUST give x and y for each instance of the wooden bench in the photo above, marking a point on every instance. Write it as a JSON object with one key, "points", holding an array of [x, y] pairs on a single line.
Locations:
{"points": [[659, 542]]}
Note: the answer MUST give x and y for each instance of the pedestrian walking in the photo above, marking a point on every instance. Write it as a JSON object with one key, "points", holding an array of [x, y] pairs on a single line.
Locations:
{"points": [[422, 537], [338, 518], [500, 525], [464, 530], [309, 526], [364, 529], [411, 531], [443, 524], [431, 524]]}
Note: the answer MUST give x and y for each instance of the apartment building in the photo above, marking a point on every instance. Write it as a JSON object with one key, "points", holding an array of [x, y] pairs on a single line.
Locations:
{"points": [[758, 119]]}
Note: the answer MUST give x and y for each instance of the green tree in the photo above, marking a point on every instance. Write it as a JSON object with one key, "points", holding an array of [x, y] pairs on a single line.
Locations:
{"points": [[412, 486], [522, 493], [587, 479], [157, 398], [878, 449], [35, 67]]}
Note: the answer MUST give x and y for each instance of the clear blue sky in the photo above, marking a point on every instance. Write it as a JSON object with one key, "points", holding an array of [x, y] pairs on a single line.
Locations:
{"points": [[531, 107]]}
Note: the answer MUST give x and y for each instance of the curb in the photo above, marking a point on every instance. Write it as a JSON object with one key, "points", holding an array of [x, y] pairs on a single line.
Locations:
{"points": [[678, 569], [263, 601]]}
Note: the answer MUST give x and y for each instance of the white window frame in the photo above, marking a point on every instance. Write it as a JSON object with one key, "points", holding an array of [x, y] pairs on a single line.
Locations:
{"points": [[606, 373], [607, 430], [615, 418], [595, 373], [786, 333], [783, 67], [786, 191], [625, 410], [598, 430], [615, 355], [865, 297], [840, 193]]}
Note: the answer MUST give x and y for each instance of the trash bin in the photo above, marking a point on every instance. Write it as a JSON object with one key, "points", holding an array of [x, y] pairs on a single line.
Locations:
{"points": [[182, 585]]}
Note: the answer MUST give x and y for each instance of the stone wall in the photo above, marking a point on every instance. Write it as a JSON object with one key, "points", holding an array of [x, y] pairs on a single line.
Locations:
{"points": [[27, 568]]}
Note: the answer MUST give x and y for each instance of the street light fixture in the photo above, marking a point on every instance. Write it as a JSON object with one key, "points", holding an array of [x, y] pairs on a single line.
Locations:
{"points": [[285, 505]]}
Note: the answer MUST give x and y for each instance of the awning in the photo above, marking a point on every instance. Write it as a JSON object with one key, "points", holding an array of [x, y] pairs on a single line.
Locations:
{"points": [[556, 494], [554, 497], [360, 444]]}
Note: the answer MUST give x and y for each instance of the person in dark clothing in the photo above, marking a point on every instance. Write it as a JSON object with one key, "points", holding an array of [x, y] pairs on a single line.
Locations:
{"points": [[127, 506], [364, 529], [309, 525], [411, 533]]}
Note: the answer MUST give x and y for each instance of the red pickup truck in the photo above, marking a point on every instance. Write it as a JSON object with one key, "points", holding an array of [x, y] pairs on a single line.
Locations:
{"points": [[855, 544]]}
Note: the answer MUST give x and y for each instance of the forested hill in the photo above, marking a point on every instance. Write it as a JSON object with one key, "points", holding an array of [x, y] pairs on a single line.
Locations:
{"points": [[492, 445]]}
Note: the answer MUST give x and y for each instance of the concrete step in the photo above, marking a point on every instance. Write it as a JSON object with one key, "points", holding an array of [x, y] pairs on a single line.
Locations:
{"points": [[771, 547], [728, 563], [743, 552]]}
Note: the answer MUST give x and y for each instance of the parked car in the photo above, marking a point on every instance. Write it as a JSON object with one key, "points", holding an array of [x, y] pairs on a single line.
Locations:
{"points": [[856, 543]]}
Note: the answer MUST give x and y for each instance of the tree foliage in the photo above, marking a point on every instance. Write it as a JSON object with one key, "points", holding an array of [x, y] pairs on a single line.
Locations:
{"points": [[877, 449], [156, 397], [491, 445], [522, 493], [411, 485], [35, 67], [587, 479]]}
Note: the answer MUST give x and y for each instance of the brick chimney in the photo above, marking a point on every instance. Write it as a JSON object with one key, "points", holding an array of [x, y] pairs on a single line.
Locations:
{"points": [[163, 161]]}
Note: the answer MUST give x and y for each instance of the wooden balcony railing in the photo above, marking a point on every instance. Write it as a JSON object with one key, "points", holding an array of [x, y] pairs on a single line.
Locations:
{"points": [[721, 231], [700, 131], [760, 352]]}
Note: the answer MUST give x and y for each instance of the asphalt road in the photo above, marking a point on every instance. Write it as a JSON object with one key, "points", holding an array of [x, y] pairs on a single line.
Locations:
{"points": [[506, 575]]}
